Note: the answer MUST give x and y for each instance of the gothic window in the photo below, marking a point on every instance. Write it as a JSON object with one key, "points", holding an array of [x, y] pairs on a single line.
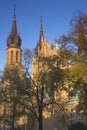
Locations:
{"points": [[11, 57], [16, 56], [7, 56]]}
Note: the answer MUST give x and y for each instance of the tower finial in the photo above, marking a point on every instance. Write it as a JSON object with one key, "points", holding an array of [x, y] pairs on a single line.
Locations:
{"points": [[41, 31], [14, 27], [14, 11], [41, 28], [41, 20]]}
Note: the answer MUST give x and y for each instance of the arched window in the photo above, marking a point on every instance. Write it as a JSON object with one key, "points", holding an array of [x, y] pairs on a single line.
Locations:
{"points": [[16, 56], [8, 56], [12, 57]]}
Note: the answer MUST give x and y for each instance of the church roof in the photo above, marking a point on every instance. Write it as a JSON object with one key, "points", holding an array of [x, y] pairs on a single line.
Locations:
{"points": [[14, 39], [41, 38]]}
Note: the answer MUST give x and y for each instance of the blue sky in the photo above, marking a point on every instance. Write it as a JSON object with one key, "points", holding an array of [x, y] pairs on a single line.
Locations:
{"points": [[56, 15]]}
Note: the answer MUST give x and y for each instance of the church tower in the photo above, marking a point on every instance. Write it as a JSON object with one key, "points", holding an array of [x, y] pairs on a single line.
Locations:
{"points": [[43, 48], [13, 51]]}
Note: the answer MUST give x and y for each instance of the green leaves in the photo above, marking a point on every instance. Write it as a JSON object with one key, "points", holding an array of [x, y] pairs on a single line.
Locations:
{"points": [[10, 96]]}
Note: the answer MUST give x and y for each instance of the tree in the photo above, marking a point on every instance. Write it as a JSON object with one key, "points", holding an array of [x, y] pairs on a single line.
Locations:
{"points": [[27, 59], [78, 83], [9, 98], [78, 34], [39, 91], [77, 126], [63, 40], [76, 60]]}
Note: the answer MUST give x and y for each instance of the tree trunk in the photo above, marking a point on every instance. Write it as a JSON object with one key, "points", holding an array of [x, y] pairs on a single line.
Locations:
{"points": [[13, 126], [40, 122]]}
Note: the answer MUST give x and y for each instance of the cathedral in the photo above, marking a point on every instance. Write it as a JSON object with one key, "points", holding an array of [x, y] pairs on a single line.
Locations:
{"points": [[42, 49]]}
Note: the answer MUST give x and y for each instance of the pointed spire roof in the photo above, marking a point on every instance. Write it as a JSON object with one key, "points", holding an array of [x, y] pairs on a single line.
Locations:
{"points": [[14, 39], [41, 37], [14, 26]]}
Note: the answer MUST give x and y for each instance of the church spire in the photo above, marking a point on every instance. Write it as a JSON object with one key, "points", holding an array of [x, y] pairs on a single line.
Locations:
{"points": [[13, 51], [41, 38], [14, 39], [14, 26]]}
